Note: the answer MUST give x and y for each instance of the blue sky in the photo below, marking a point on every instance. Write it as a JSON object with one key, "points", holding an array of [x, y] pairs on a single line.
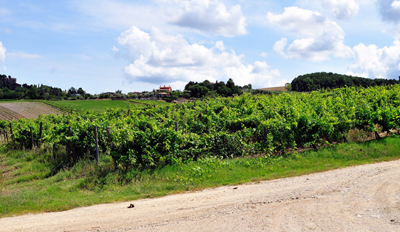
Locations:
{"points": [[109, 45]]}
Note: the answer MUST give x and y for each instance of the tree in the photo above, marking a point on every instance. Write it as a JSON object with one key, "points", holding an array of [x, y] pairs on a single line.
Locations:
{"points": [[224, 91], [81, 91], [230, 84], [72, 90], [288, 87]]}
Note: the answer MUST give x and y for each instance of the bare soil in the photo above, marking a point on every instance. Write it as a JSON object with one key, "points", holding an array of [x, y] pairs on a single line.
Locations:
{"points": [[280, 88], [17, 110], [361, 198]]}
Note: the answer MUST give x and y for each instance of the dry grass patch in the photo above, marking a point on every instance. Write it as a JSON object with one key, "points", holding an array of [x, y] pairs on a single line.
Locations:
{"points": [[17, 110], [280, 88]]}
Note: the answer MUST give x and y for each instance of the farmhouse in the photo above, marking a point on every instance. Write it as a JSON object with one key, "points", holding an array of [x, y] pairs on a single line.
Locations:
{"points": [[164, 91]]}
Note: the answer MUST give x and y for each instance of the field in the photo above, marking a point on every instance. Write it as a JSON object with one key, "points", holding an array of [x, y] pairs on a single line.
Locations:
{"points": [[16, 110], [95, 105], [281, 88], [156, 149]]}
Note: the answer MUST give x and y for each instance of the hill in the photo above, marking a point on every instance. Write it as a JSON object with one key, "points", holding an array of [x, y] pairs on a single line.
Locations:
{"points": [[323, 80]]}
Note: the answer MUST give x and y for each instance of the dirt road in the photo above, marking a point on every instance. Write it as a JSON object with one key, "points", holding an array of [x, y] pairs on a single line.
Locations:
{"points": [[363, 198]]}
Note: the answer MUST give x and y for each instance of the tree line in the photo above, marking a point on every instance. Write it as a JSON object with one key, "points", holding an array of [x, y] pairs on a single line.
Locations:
{"points": [[324, 80], [214, 89], [40, 91]]}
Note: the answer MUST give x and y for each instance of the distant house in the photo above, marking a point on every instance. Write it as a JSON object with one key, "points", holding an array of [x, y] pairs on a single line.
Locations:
{"points": [[75, 95], [164, 91]]}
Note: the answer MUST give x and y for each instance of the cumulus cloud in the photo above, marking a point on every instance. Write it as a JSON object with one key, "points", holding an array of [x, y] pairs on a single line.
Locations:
{"points": [[320, 37], [279, 46], [212, 16], [389, 10], [160, 58], [396, 5], [342, 9], [373, 62], [2, 53]]}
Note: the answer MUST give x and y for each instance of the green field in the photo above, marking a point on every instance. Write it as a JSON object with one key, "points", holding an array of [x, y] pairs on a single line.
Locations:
{"points": [[97, 106]]}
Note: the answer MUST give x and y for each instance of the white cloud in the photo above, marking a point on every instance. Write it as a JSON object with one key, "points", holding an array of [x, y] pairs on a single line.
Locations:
{"points": [[22, 55], [342, 9], [374, 62], [396, 5], [259, 74], [159, 58], [2, 53], [120, 15], [264, 54], [389, 10], [279, 46], [220, 46], [321, 37], [212, 16]]}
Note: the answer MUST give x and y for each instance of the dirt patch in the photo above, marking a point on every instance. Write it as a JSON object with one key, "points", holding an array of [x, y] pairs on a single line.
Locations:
{"points": [[17, 110], [280, 88], [362, 198]]}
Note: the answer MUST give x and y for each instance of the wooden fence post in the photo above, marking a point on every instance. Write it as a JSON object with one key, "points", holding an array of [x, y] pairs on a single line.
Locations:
{"points": [[54, 148], [54, 151], [32, 141], [110, 144], [6, 136], [11, 132], [97, 144], [69, 143], [40, 135]]}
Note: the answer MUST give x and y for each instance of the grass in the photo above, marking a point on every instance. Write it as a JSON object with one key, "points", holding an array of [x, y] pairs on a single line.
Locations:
{"points": [[151, 102], [32, 182], [97, 106]]}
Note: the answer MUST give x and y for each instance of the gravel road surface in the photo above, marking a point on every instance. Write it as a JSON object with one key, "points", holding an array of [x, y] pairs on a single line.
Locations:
{"points": [[362, 198]]}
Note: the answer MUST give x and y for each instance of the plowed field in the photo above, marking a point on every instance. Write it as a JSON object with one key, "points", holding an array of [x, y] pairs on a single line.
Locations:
{"points": [[17, 110]]}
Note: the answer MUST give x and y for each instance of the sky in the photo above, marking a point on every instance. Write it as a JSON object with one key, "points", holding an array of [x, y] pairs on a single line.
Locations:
{"points": [[109, 45]]}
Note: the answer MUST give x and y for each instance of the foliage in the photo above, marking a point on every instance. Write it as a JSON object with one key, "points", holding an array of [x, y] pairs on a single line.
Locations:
{"points": [[206, 88], [34, 182], [158, 135], [323, 80]]}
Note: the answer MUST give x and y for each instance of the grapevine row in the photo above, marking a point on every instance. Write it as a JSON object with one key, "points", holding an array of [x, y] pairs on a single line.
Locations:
{"points": [[224, 127]]}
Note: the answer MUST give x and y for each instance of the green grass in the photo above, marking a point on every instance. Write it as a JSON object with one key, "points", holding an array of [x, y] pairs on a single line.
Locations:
{"points": [[97, 106], [32, 182], [151, 102]]}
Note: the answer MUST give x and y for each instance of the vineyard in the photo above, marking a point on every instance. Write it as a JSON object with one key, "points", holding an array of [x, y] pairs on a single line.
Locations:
{"points": [[157, 135], [17, 110]]}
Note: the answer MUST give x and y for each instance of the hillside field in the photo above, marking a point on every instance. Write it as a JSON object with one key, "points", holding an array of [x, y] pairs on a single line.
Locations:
{"points": [[280, 88], [99, 106], [16, 110]]}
